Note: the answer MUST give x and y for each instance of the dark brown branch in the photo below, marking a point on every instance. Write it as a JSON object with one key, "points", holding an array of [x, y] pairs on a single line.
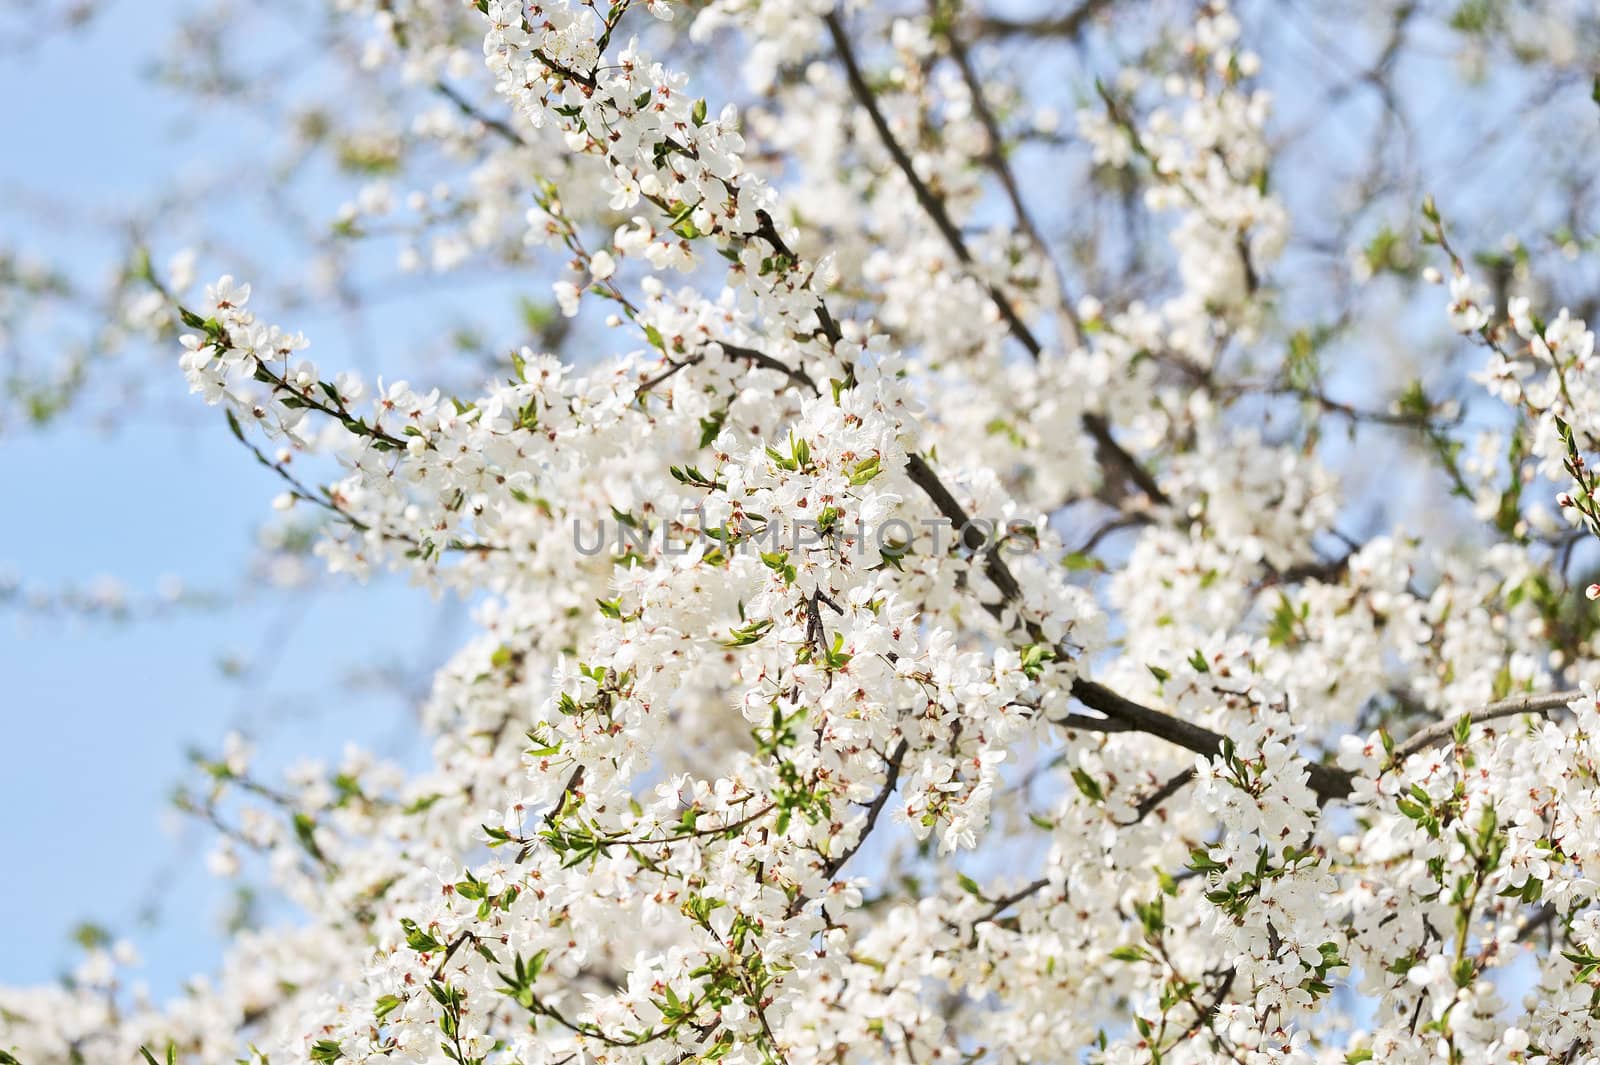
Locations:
{"points": [[1125, 521], [673, 369], [1121, 713], [1522, 704], [586, 80], [767, 362], [1114, 454], [1537, 923], [737, 351], [450, 952], [891, 779], [934, 208], [1328, 782], [1085, 723], [1005, 902], [1205, 1017], [574, 782], [469, 109], [930, 203], [1321, 570], [1069, 25], [950, 509], [994, 158], [1150, 803]]}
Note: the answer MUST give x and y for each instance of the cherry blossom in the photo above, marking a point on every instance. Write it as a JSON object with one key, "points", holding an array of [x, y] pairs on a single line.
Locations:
{"points": [[892, 639]]}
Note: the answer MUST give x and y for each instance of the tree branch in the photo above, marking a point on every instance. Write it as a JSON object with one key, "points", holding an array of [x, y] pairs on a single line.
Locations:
{"points": [[1329, 782], [895, 759], [994, 157], [1122, 714], [1068, 25], [934, 208], [497, 126], [1522, 704], [1150, 803]]}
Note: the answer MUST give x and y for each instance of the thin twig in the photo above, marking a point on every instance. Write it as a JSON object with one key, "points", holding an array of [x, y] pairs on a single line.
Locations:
{"points": [[890, 781], [1522, 704], [1150, 803], [934, 208]]}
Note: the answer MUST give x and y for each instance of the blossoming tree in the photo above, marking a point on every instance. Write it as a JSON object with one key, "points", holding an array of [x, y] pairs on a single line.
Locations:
{"points": [[935, 634]]}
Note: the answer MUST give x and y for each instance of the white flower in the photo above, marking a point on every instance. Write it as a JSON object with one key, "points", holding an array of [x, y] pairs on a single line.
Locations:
{"points": [[566, 294], [1467, 313]]}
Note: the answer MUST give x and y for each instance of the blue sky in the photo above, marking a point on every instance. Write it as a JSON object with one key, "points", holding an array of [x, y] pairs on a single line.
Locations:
{"points": [[97, 716]]}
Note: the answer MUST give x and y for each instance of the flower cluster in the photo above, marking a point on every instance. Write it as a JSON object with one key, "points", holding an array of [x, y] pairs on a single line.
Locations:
{"points": [[1169, 768]]}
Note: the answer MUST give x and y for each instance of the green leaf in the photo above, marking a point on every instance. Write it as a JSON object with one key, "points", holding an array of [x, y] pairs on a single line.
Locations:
{"points": [[749, 634], [1088, 785], [324, 1051], [1034, 657], [417, 939], [865, 471], [711, 426], [305, 831]]}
